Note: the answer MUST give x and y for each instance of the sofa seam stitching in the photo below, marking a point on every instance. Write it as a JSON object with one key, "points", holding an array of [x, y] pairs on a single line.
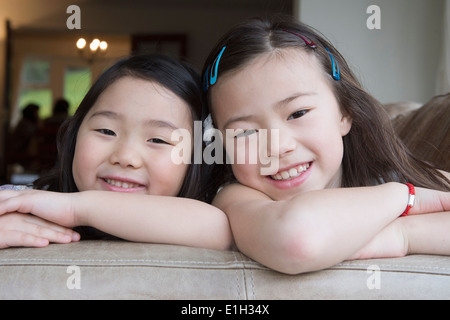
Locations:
{"points": [[126, 260], [253, 284], [392, 266], [237, 278]]}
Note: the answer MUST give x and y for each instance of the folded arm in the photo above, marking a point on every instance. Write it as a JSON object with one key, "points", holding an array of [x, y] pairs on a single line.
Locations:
{"points": [[156, 219], [317, 229], [141, 218]]}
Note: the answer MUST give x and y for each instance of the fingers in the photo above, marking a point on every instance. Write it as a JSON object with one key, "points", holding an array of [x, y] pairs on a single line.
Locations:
{"points": [[5, 194], [49, 230], [51, 206], [10, 201], [26, 230], [20, 239], [8, 194]]}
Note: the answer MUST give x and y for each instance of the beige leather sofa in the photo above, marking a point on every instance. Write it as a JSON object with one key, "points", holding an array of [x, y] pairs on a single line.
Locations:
{"points": [[125, 270]]}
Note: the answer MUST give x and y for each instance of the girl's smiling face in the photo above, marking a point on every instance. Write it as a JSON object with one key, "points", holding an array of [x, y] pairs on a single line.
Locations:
{"points": [[288, 91], [124, 142]]}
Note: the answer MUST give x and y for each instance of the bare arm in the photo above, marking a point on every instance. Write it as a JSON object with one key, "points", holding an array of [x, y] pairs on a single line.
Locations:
{"points": [[143, 218], [420, 234], [428, 234], [317, 229], [417, 234], [155, 219]]}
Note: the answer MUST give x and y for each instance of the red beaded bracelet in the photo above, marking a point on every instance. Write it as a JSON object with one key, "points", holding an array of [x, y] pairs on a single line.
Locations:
{"points": [[412, 195]]}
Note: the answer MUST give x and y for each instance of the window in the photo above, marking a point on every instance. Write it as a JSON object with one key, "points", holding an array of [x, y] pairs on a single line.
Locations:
{"points": [[41, 97], [77, 81], [35, 87]]}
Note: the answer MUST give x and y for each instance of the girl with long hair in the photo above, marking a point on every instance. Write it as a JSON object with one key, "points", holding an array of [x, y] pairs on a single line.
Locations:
{"points": [[343, 177]]}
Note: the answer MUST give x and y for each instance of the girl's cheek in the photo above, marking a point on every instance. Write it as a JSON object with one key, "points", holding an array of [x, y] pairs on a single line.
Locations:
{"points": [[85, 158]]}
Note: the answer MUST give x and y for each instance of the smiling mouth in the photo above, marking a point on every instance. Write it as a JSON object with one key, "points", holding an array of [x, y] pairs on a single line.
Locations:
{"points": [[291, 173], [122, 184]]}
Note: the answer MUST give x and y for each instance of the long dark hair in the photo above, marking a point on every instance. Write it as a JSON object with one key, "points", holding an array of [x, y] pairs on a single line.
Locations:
{"points": [[372, 151], [177, 76], [430, 138]]}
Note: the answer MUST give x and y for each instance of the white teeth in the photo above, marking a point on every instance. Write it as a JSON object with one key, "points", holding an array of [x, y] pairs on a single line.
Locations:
{"points": [[291, 173], [120, 184], [285, 175]]}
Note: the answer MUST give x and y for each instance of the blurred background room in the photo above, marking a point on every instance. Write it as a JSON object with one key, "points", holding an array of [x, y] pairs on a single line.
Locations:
{"points": [[45, 69]]}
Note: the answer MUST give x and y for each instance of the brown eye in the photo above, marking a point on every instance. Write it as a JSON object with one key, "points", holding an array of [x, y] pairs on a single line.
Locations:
{"points": [[106, 132], [157, 140], [298, 114]]}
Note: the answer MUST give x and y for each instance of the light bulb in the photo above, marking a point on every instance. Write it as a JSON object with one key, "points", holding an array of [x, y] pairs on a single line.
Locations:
{"points": [[94, 45], [81, 43], [103, 45]]}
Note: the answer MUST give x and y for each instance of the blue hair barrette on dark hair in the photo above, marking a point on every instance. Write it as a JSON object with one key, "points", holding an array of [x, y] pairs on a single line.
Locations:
{"points": [[335, 66], [210, 76]]}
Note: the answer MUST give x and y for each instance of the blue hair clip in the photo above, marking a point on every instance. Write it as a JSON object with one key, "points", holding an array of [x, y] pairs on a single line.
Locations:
{"points": [[215, 66], [209, 78], [335, 66]]}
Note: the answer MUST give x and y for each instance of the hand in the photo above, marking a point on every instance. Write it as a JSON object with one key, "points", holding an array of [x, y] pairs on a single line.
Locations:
{"points": [[25, 230], [428, 216], [391, 242], [430, 201], [51, 206]]}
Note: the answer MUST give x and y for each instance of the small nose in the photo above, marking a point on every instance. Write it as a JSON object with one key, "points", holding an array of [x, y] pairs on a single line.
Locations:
{"points": [[281, 143], [126, 154]]}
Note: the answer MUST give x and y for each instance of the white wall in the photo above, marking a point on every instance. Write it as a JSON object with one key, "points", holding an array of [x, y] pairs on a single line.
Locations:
{"points": [[395, 63]]}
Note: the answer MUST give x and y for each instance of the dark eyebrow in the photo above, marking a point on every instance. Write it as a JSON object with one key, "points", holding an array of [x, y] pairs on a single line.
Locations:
{"points": [[107, 114], [293, 97], [236, 119], [161, 124], [150, 123]]}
